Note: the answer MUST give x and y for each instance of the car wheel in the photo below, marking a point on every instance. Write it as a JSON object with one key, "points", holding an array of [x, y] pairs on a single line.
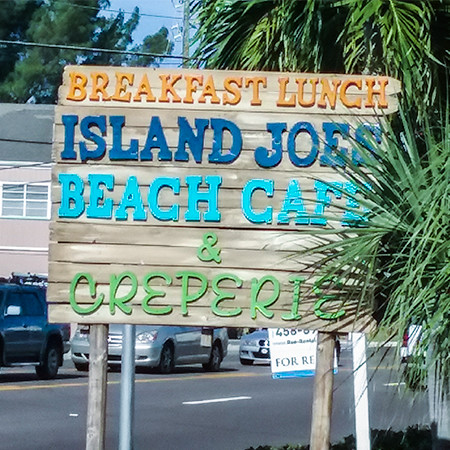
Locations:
{"points": [[246, 362], [50, 365], [213, 365], [81, 367], [166, 362]]}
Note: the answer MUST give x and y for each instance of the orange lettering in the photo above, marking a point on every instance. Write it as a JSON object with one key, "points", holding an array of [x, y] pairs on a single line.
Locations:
{"points": [[78, 82], [228, 85], [190, 86], [328, 93], [100, 81], [209, 90], [382, 103], [301, 84], [121, 88], [283, 82], [255, 82], [343, 93], [168, 85], [144, 89]]}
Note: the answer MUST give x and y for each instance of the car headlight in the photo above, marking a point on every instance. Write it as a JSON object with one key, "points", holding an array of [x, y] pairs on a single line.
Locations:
{"points": [[147, 336], [82, 333]]}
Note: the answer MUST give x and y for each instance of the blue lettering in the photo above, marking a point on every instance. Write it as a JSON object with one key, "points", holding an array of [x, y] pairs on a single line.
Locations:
{"points": [[266, 158], [72, 202], [293, 203], [303, 127], [188, 137], [117, 152], [323, 200], [332, 150], [350, 218], [156, 139], [251, 186], [97, 195], [365, 141], [169, 214], [216, 155], [131, 198], [210, 197], [69, 123], [85, 128]]}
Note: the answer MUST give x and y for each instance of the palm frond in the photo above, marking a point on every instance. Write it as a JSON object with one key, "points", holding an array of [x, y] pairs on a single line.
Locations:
{"points": [[398, 258]]}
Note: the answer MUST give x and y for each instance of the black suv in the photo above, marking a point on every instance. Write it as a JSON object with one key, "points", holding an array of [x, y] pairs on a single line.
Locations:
{"points": [[26, 337]]}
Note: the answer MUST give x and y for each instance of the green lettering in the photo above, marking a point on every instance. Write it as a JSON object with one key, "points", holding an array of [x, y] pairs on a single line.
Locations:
{"points": [[261, 306], [152, 293], [119, 302], [221, 295], [326, 298], [185, 297], [294, 315], [92, 291]]}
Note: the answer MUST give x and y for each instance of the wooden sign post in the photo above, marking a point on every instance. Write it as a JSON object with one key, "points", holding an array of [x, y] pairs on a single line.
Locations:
{"points": [[323, 392], [96, 411], [178, 195]]}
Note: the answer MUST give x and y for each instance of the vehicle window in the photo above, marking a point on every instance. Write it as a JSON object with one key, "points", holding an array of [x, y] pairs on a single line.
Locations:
{"points": [[31, 304], [13, 298], [2, 297]]}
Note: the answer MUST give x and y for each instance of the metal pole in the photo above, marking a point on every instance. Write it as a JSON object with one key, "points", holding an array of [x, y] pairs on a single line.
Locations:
{"points": [[360, 391], [127, 388], [323, 392], [98, 365], [186, 32]]}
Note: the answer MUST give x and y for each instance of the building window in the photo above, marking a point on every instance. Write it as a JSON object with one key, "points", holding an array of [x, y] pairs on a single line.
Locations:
{"points": [[31, 201]]}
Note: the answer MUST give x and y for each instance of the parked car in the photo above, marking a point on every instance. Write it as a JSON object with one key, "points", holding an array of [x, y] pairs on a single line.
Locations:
{"points": [[161, 347], [254, 347], [26, 337]]}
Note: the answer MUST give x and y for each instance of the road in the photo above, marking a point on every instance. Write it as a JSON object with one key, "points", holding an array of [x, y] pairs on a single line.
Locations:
{"points": [[233, 409]]}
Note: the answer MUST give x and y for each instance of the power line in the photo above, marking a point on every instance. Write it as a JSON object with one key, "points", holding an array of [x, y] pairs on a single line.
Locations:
{"points": [[161, 16], [22, 141], [89, 49]]}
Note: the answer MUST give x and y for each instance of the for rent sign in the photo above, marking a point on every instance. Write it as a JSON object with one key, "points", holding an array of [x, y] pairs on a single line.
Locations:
{"points": [[178, 194]]}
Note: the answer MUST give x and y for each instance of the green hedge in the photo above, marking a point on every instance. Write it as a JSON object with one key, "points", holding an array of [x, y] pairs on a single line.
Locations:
{"points": [[413, 438]]}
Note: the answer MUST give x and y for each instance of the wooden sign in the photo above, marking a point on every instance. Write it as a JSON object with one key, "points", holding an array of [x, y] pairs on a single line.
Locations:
{"points": [[179, 194]]}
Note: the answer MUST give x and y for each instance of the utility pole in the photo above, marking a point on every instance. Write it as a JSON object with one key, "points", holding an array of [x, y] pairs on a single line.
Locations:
{"points": [[186, 32]]}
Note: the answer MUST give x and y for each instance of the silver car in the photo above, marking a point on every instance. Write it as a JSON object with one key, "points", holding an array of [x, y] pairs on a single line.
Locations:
{"points": [[254, 347], [161, 347]]}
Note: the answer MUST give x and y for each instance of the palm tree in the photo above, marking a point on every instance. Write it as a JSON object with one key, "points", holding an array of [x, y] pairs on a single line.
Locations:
{"points": [[406, 39], [396, 255]]}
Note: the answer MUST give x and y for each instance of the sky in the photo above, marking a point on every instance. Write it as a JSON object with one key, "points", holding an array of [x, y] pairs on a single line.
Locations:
{"points": [[154, 15]]}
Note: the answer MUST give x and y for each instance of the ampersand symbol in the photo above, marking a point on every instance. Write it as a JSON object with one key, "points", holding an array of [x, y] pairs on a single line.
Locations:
{"points": [[207, 252]]}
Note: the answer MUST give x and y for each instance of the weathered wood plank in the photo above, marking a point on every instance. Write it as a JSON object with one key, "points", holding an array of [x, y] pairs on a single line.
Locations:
{"points": [[203, 317], [163, 256], [64, 272], [108, 233], [265, 98]]}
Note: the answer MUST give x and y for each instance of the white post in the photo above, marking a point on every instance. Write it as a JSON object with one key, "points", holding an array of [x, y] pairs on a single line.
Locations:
{"points": [[127, 388], [361, 392]]}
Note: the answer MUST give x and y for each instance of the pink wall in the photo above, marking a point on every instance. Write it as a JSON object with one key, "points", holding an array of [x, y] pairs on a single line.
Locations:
{"points": [[24, 242]]}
